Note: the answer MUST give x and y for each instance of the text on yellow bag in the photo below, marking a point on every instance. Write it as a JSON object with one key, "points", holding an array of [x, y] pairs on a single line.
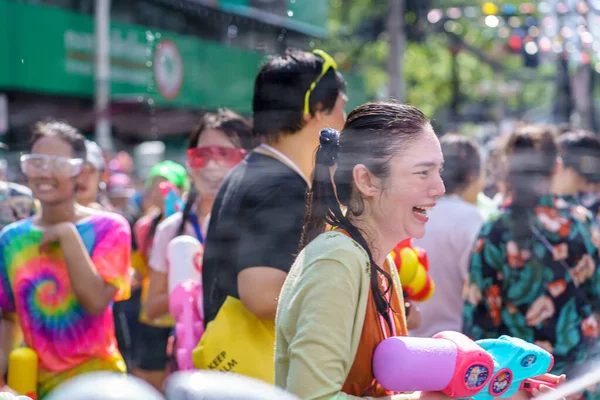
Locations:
{"points": [[238, 341]]}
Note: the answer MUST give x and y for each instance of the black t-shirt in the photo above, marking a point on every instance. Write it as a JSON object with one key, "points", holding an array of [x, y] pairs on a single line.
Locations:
{"points": [[256, 220]]}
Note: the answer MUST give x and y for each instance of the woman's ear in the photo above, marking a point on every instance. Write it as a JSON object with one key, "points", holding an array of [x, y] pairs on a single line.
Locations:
{"points": [[317, 116], [307, 118], [366, 183]]}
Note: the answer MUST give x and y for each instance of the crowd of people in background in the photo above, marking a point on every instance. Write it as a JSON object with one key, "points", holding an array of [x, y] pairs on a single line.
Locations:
{"points": [[297, 210]]}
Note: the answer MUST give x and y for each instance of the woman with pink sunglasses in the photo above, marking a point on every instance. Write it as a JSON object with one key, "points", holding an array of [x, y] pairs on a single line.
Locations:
{"points": [[218, 144]]}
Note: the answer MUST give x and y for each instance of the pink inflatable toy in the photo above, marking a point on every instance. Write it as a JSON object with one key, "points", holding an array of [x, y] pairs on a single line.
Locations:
{"points": [[185, 296]]}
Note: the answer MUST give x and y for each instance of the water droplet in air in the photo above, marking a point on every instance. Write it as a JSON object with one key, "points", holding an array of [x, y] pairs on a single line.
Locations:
{"points": [[232, 31]]}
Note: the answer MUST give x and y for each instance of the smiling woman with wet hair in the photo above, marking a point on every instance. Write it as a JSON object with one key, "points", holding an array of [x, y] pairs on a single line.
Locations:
{"points": [[61, 269], [343, 296]]}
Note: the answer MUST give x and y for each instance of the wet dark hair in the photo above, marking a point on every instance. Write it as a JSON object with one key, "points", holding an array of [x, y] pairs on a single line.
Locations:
{"points": [[462, 162], [531, 158], [63, 131], [280, 88], [372, 135], [237, 128], [495, 164], [580, 150]]}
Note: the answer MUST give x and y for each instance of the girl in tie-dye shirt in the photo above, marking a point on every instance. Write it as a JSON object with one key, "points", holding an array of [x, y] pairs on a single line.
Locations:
{"points": [[61, 270]]}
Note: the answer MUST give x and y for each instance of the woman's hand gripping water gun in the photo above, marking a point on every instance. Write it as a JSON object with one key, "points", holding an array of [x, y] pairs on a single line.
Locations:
{"points": [[413, 267]]}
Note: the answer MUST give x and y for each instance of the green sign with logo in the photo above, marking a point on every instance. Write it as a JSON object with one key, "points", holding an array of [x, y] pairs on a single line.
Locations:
{"points": [[47, 49], [4, 45], [50, 50]]}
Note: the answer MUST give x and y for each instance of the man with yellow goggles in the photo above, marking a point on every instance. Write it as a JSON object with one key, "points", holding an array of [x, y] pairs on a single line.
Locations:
{"points": [[263, 198], [328, 63]]}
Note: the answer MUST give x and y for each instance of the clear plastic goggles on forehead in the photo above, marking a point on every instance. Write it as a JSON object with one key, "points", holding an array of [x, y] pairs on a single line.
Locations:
{"points": [[33, 164]]}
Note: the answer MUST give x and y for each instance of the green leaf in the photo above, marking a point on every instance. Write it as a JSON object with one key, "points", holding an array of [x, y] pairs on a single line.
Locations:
{"points": [[539, 250], [567, 329], [428, 64], [525, 284], [518, 326], [493, 256]]}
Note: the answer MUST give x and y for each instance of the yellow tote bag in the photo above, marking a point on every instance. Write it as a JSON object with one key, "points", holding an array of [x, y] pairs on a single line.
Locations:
{"points": [[238, 341]]}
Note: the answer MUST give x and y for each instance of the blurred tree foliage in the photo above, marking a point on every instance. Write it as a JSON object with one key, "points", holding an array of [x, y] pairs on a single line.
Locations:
{"points": [[358, 41]]}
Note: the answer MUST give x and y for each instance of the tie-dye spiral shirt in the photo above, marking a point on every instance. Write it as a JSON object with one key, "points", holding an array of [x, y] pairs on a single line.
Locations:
{"points": [[36, 286]]}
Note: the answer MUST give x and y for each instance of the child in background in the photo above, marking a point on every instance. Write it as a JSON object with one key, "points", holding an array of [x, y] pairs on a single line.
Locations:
{"points": [[90, 183], [153, 334]]}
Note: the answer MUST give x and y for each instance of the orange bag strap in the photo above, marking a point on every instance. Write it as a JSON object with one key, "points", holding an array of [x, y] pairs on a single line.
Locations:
{"points": [[390, 314]]}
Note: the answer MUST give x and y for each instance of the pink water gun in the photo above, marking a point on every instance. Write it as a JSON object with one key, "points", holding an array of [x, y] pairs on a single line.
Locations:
{"points": [[443, 363], [452, 363], [184, 254]]}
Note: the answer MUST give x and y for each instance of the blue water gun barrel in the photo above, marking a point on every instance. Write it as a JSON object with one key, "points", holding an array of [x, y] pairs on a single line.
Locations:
{"points": [[516, 364]]}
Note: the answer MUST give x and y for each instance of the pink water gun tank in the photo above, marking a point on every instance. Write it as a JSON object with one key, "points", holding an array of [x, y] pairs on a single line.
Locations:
{"points": [[184, 254]]}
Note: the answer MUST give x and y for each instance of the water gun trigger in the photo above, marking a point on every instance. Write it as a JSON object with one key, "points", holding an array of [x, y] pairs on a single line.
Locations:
{"points": [[518, 366], [530, 384]]}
